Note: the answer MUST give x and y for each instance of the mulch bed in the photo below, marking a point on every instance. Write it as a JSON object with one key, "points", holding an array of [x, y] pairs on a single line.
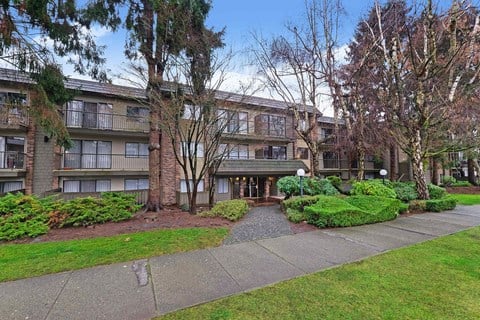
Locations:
{"points": [[464, 190]]}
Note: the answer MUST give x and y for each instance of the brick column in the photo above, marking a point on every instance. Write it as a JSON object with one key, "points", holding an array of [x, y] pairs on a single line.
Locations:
{"points": [[30, 157], [168, 176]]}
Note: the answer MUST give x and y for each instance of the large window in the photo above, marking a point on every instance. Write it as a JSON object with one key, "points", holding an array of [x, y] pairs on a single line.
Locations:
{"points": [[191, 112], [271, 152], [233, 121], [83, 114], [234, 151], [270, 125], [330, 160], [302, 153], [183, 185], [136, 149], [327, 133], [89, 154], [9, 186], [222, 185], [12, 99], [136, 184], [12, 152], [86, 185], [139, 114]]}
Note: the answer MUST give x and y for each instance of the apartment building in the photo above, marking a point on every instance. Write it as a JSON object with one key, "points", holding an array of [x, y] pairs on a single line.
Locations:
{"points": [[109, 128]]}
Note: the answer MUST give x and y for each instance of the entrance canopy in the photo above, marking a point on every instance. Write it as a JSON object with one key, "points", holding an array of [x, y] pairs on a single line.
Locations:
{"points": [[260, 167]]}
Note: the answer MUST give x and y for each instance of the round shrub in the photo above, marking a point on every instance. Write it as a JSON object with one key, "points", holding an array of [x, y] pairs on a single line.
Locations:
{"points": [[373, 188], [232, 210], [316, 186], [406, 191], [289, 186], [436, 192], [447, 181], [335, 181]]}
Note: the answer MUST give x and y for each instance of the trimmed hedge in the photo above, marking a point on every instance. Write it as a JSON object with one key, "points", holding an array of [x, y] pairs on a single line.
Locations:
{"points": [[373, 188], [232, 210], [290, 186], [439, 205], [436, 192], [351, 211], [405, 191]]}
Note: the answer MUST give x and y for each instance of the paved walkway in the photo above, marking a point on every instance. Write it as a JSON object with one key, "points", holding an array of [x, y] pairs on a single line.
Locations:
{"points": [[260, 223], [144, 289]]}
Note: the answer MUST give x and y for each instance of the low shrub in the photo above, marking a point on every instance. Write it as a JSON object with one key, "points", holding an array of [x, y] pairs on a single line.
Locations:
{"points": [[289, 185], [351, 211], [111, 207], [295, 216], [417, 205], [232, 210], [436, 192], [335, 181], [403, 208], [299, 203], [447, 181], [439, 205], [23, 216], [405, 191], [373, 188], [461, 184]]}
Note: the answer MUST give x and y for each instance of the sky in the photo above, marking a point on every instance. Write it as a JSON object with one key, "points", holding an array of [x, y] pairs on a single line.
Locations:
{"points": [[239, 18]]}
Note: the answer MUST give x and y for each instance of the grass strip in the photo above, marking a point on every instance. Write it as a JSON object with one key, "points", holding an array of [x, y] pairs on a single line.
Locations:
{"points": [[28, 260], [466, 199], [438, 279]]}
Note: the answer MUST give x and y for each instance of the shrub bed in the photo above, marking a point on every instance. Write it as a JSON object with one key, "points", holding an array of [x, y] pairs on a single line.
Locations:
{"points": [[439, 205], [351, 211], [232, 210], [294, 207], [405, 191], [28, 216], [373, 188], [290, 186]]}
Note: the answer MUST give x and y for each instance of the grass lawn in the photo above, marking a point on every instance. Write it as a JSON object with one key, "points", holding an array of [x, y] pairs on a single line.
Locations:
{"points": [[27, 260], [439, 279], [466, 199]]}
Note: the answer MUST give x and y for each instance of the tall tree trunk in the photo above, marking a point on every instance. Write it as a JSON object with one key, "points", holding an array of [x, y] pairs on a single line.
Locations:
{"points": [[393, 163], [472, 175], [315, 164], [417, 163], [361, 165], [435, 171], [153, 201]]}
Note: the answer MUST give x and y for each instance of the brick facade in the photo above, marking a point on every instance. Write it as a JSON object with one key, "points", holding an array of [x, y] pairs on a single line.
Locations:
{"points": [[168, 172], [44, 159]]}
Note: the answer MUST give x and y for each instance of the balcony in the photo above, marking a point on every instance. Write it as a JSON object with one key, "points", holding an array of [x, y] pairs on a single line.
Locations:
{"points": [[12, 164], [13, 118], [106, 122], [74, 164]]}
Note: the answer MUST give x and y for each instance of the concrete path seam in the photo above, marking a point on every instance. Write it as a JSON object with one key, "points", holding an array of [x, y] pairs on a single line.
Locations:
{"points": [[281, 258], [419, 232], [361, 243], [58, 295], [223, 268], [152, 286]]}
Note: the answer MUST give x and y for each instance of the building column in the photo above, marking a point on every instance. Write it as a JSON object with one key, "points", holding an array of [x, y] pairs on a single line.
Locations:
{"points": [[268, 183], [168, 172]]}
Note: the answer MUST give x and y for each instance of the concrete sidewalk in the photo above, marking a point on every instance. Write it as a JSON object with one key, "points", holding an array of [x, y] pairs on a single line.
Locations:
{"points": [[144, 289]]}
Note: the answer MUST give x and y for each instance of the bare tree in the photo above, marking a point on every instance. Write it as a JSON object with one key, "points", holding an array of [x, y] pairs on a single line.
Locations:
{"points": [[429, 71]]}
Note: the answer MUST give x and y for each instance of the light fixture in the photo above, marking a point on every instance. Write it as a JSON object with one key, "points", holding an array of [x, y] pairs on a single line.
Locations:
{"points": [[301, 174]]}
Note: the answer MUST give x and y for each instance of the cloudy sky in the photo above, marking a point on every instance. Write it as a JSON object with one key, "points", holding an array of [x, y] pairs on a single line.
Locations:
{"points": [[240, 18]]}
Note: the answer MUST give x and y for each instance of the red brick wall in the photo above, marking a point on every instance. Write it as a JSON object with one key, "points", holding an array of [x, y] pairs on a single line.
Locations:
{"points": [[168, 172]]}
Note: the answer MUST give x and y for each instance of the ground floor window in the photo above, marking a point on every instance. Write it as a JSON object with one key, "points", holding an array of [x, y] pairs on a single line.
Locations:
{"points": [[183, 186], [86, 185], [136, 184], [222, 185], [9, 186]]}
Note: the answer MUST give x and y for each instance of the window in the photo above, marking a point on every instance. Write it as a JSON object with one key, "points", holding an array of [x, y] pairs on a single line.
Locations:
{"points": [[302, 153], [270, 125], [238, 152], [12, 99], [89, 154], [82, 114], [222, 185], [139, 114], [193, 149], [183, 186], [271, 152], [325, 133], [191, 112], [330, 160], [12, 152], [86, 186], [9, 186], [136, 184], [233, 121], [136, 149]]}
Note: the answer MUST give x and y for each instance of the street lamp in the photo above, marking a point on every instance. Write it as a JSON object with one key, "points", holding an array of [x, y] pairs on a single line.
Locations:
{"points": [[383, 173], [301, 174]]}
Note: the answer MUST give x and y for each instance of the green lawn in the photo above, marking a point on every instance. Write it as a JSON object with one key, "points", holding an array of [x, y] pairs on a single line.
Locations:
{"points": [[467, 199], [439, 279], [27, 260]]}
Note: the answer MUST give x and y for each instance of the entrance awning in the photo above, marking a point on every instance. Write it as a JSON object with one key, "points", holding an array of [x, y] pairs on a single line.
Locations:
{"points": [[260, 167]]}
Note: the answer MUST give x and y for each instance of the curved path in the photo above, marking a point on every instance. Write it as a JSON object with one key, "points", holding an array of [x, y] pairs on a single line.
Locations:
{"points": [[260, 223]]}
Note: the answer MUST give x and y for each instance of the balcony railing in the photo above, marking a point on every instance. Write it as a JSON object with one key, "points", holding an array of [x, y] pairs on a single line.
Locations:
{"points": [[13, 117], [105, 121], [12, 160], [103, 161]]}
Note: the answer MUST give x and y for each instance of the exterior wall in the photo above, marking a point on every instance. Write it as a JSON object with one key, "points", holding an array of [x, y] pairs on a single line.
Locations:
{"points": [[168, 172], [44, 163]]}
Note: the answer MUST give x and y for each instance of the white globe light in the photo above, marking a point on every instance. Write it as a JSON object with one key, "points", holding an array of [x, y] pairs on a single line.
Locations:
{"points": [[300, 172], [383, 172]]}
